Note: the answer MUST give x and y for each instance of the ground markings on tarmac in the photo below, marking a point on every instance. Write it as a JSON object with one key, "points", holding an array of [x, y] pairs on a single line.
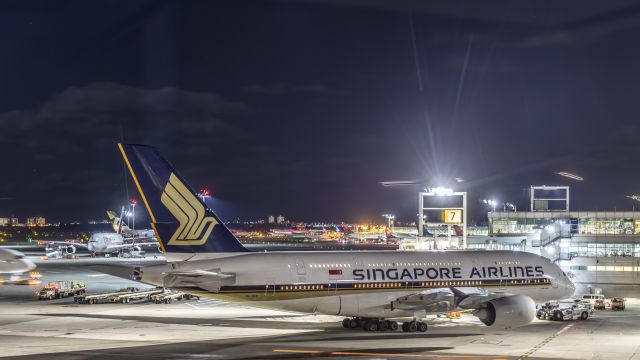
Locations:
{"points": [[544, 342], [316, 353]]}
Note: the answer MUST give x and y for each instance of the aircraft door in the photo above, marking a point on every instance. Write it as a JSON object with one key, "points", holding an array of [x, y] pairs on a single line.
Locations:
{"points": [[333, 287], [269, 288], [503, 285], [301, 270]]}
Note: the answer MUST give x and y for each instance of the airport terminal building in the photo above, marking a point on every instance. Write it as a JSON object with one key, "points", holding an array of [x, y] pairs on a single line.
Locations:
{"points": [[599, 250]]}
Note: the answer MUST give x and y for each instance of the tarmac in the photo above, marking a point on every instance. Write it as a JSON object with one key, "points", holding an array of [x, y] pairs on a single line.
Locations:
{"points": [[214, 329]]}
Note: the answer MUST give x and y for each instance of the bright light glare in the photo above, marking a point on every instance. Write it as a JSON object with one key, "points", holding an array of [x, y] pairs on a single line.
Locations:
{"points": [[634, 197], [570, 175], [442, 191]]}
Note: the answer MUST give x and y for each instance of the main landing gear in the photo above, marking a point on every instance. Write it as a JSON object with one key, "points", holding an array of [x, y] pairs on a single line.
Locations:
{"points": [[383, 325]]}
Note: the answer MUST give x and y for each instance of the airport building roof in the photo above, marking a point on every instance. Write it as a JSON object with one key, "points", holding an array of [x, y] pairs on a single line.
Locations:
{"points": [[564, 214]]}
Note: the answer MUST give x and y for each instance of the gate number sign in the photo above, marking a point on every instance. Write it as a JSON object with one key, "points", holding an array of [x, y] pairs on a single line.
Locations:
{"points": [[453, 216]]}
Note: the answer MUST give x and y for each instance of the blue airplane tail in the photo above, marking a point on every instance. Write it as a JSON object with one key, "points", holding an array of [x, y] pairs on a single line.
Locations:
{"points": [[181, 220]]}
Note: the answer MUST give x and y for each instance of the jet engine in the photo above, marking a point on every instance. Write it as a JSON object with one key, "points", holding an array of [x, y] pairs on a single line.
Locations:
{"points": [[70, 249], [507, 312]]}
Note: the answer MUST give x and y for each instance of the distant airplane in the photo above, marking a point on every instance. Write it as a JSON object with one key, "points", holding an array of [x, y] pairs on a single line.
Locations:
{"points": [[397, 236], [369, 288], [107, 243], [14, 262], [366, 237]]}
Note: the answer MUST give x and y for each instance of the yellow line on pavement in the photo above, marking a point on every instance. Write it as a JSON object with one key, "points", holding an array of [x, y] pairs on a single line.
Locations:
{"points": [[373, 354], [359, 353], [297, 351]]}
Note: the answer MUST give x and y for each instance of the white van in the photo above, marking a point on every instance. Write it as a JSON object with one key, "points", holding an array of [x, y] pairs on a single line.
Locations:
{"points": [[591, 299]]}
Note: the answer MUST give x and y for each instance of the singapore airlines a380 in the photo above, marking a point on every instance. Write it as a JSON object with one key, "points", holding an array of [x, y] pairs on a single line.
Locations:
{"points": [[371, 289]]}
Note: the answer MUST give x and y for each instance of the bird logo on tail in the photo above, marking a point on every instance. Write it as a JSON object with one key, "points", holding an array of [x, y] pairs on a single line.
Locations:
{"points": [[195, 227]]}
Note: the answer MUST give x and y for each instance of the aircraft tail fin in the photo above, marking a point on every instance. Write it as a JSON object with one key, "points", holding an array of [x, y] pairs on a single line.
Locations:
{"points": [[182, 221], [116, 222]]}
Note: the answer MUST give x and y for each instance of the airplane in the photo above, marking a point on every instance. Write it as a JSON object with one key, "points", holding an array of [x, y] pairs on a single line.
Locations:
{"points": [[369, 288], [14, 262], [98, 244], [106, 243], [367, 237]]}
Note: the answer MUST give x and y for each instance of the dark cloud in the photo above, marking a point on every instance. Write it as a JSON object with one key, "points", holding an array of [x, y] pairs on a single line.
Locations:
{"points": [[61, 146], [99, 110]]}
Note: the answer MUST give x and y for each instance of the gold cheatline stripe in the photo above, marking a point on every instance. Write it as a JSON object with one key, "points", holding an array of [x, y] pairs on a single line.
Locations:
{"points": [[144, 198]]}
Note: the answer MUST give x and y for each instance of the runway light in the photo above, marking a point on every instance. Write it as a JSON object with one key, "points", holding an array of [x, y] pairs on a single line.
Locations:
{"points": [[204, 194]]}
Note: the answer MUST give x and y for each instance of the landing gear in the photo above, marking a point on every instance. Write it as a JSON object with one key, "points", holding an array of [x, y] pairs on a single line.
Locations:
{"points": [[413, 326], [370, 324], [393, 326], [352, 323]]}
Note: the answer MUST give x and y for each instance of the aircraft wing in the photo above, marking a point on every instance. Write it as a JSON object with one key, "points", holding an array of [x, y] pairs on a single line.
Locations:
{"points": [[111, 248], [65, 243]]}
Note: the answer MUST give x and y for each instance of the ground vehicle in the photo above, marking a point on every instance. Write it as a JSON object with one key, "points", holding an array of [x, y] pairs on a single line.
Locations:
{"points": [[169, 297], [96, 298], [618, 303], [61, 289], [600, 304], [591, 298], [135, 295], [563, 310]]}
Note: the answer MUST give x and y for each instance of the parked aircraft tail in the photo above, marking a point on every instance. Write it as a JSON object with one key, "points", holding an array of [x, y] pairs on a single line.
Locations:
{"points": [[181, 220]]}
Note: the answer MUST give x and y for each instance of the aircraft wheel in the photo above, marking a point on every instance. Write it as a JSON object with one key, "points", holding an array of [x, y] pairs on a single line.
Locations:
{"points": [[405, 327], [584, 315], [383, 325], [371, 325], [422, 327], [354, 323], [413, 327], [345, 323], [557, 316], [393, 326]]}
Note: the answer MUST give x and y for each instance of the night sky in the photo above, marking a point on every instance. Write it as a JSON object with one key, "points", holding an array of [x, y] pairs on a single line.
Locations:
{"points": [[302, 108]]}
